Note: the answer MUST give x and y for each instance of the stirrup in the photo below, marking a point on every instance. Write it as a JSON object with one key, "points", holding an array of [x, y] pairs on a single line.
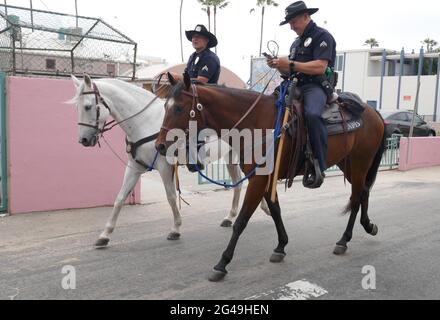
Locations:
{"points": [[193, 168], [315, 180]]}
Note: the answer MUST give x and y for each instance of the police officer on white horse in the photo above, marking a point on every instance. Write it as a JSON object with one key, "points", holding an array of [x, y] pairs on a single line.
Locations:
{"points": [[312, 56], [203, 65]]}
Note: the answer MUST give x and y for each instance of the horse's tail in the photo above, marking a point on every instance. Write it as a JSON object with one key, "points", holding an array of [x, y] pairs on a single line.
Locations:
{"points": [[374, 169], [372, 173]]}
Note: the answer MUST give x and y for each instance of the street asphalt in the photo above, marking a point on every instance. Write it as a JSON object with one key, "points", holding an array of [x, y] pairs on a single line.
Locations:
{"points": [[402, 261]]}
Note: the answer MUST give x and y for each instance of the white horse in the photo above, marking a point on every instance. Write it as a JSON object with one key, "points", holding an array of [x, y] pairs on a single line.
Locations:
{"points": [[125, 103]]}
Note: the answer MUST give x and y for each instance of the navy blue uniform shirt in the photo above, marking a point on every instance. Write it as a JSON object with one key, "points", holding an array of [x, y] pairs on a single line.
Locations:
{"points": [[315, 44], [205, 64]]}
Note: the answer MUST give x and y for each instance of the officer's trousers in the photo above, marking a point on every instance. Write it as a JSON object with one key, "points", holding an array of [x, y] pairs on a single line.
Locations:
{"points": [[315, 101]]}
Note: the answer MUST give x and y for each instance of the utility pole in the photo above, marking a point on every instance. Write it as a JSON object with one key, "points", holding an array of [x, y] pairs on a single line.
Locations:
{"points": [[181, 41], [32, 16], [76, 10]]}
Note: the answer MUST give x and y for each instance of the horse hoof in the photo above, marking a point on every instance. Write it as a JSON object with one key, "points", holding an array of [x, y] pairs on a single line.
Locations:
{"points": [[277, 257], [340, 250], [226, 224], [102, 243], [173, 236], [375, 231], [217, 276]]}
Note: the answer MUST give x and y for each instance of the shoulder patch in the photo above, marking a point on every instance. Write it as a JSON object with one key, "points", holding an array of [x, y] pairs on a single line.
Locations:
{"points": [[323, 44], [205, 68]]}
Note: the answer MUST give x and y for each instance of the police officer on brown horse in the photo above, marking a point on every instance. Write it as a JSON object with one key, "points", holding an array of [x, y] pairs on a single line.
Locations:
{"points": [[312, 55]]}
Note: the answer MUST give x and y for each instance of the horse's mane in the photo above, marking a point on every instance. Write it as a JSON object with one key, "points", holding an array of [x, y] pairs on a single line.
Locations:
{"points": [[177, 90], [138, 91]]}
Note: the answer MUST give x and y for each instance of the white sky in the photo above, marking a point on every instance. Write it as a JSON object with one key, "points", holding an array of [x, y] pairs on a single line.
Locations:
{"points": [[154, 25]]}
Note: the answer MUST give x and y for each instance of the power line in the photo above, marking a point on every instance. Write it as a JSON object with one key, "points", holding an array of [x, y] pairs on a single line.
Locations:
{"points": [[45, 5]]}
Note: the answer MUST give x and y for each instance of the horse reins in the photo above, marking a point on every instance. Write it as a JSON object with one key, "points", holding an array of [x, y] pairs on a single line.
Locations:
{"points": [[196, 105], [108, 126]]}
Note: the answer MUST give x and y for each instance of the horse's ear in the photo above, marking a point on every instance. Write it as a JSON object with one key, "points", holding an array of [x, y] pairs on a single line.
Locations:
{"points": [[88, 80], [187, 80], [171, 79], [76, 81]]}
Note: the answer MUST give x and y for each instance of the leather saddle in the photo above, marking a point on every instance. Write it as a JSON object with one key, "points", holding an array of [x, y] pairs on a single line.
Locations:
{"points": [[342, 115]]}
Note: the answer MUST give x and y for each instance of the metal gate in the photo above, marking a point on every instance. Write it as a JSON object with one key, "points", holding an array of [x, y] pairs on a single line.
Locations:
{"points": [[390, 161], [217, 172], [3, 155]]}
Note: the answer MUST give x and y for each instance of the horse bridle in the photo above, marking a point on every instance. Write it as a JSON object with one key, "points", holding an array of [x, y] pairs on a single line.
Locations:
{"points": [[107, 126], [196, 105], [98, 99]]}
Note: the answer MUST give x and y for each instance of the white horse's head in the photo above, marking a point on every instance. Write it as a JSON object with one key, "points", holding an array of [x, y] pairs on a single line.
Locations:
{"points": [[93, 111]]}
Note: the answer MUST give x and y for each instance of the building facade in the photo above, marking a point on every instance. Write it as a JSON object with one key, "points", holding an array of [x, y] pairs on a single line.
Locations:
{"points": [[388, 79]]}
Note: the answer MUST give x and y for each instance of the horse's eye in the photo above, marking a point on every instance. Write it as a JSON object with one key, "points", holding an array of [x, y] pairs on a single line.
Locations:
{"points": [[178, 109], [88, 108]]}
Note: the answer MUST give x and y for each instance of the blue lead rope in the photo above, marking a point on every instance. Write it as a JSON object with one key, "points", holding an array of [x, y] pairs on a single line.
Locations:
{"points": [[280, 106], [151, 168]]}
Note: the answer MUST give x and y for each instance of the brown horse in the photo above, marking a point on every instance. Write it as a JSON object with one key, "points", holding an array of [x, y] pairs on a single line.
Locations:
{"points": [[358, 154]]}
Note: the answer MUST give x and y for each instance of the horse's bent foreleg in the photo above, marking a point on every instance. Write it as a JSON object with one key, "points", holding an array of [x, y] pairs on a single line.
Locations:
{"points": [[254, 194], [234, 172], [167, 174], [130, 179], [275, 210]]}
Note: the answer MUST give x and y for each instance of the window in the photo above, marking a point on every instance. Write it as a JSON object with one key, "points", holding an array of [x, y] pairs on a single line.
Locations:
{"points": [[419, 120], [392, 68], [372, 103], [111, 70], [339, 63], [51, 64], [402, 116]]}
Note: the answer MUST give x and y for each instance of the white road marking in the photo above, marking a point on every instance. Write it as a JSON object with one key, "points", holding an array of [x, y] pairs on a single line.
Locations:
{"points": [[299, 290]]}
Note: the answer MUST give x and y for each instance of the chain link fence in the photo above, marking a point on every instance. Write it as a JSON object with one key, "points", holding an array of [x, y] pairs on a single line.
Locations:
{"points": [[37, 42]]}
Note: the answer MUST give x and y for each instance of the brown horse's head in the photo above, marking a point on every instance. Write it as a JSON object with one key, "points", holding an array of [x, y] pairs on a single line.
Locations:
{"points": [[182, 106]]}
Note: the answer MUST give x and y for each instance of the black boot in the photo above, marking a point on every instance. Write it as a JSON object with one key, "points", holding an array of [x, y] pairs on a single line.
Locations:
{"points": [[314, 179], [195, 168]]}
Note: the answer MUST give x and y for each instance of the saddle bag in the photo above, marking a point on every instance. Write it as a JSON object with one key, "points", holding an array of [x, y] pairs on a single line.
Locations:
{"points": [[352, 103]]}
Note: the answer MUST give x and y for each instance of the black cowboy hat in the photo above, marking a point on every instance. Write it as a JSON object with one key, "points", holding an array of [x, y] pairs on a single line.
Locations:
{"points": [[201, 29], [295, 9]]}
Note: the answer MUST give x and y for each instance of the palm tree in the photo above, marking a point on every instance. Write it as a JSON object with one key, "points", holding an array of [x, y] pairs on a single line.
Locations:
{"points": [[181, 38], [207, 9], [216, 4], [430, 44], [372, 43], [263, 4]]}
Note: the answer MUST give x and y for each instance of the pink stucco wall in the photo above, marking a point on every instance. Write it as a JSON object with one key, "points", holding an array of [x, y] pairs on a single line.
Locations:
{"points": [[423, 152], [48, 168]]}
